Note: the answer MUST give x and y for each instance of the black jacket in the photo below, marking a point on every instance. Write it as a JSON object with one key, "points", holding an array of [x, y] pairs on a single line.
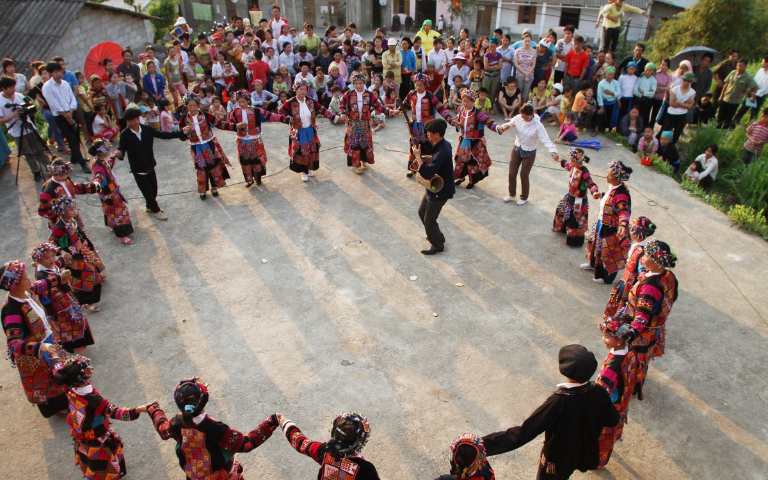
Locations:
{"points": [[441, 164], [571, 420], [141, 156]]}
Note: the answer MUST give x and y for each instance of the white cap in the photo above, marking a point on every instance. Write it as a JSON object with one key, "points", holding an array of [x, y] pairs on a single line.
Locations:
{"points": [[558, 86], [526, 30], [392, 41], [180, 21]]}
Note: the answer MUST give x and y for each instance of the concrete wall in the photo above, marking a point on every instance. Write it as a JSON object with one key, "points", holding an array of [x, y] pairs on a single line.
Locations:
{"points": [[659, 13], [95, 25]]}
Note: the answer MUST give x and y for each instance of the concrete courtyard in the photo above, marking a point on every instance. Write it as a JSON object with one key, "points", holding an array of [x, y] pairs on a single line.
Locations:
{"points": [[298, 298]]}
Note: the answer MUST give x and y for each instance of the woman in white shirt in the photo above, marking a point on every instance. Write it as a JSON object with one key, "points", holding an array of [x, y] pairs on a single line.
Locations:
{"points": [[681, 99], [706, 168], [529, 131], [9, 70]]}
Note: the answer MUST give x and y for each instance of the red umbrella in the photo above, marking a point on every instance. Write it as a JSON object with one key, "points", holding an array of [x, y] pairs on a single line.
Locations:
{"points": [[94, 61]]}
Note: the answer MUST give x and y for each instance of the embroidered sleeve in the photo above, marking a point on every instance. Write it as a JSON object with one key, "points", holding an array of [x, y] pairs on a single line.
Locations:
{"points": [[234, 441], [486, 120], [161, 423], [229, 124], [622, 206], [60, 238], [610, 377], [123, 414], [302, 444], [587, 178], [273, 117], [647, 297], [84, 188], [442, 109], [343, 104], [14, 332], [407, 103], [44, 205], [324, 111]]}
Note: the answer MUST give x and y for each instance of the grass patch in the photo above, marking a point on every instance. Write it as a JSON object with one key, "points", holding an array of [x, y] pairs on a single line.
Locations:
{"points": [[750, 220]]}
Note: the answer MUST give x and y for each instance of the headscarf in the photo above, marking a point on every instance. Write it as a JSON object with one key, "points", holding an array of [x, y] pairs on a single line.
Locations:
{"points": [[12, 273], [610, 326], [300, 83], [620, 170], [610, 70], [469, 93], [191, 96], [667, 134], [652, 66], [577, 155], [494, 39], [358, 77], [333, 65], [82, 370], [242, 93], [59, 166], [420, 77], [660, 253], [426, 22], [184, 402], [100, 147], [62, 204], [687, 63], [480, 460], [362, 429], [642, 227], [41, 250], [632, 64]]}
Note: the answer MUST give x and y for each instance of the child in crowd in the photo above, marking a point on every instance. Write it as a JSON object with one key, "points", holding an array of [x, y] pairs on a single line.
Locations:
{"points": [[378, 86], [483, 103], [102, 124], [207, 100], [566, 104], [704, 110], [468, 460], [283, 97], [706, 168], [568, 131], [217, 109], [131, 88], [692, 173], [476, 75], [153, 119], [454, 98], [167, 122], [333, 106], [668, 152], [278, 85], [391, 101], [144, 118], [229, 78], [627, 82], [648, 144], [389, 81], [587, 109], [231, 104]]}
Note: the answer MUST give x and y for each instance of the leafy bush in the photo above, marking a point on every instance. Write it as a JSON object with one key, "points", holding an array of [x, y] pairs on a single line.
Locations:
{"points": [[166, 11], [748, 219], [663, 167], [711, 198], [749, 183]]}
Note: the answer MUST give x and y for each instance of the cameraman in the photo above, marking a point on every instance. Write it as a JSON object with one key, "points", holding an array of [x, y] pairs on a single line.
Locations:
{"points": [[12, 104]]}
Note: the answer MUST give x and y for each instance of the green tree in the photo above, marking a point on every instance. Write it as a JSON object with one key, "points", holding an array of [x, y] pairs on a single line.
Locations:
{"points": [[166, 11], [719, 24]]}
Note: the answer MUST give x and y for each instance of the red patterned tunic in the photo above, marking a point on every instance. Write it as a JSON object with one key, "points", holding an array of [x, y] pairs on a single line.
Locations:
{"points": [[358, 141], [52, 190], [98, 448], [618, 377], [620, 292], [572, 214], [86, 265], [62, 306], [26, 327], [472, 157], [605, 250], [113, 204], [206, 447], [303, 142], [208, 157], [424, 107]]}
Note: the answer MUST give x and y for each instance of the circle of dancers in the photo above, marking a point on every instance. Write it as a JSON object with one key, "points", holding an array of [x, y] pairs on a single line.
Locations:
{"points": [[44, 312]]}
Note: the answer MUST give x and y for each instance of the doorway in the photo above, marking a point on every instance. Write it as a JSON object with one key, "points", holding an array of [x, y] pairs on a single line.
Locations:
{"points": [[425, 10], [375, 14], [484, 14]]}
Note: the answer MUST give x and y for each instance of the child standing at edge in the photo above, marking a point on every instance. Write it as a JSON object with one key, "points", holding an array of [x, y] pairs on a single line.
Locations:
{"points": [[116, 214], [468, 460]]}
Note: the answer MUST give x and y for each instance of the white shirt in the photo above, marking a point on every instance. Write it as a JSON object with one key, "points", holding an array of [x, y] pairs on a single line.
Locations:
{"points": [[681, 98], [138, 134], [529, 132], [627, 85], [59, 96], [440, 60], [761, 78], [562, 48], [217, 70], [84, 390], [304, 113], [299, 77], [621, 351], [571, 385], [462, 72], [283, 39], [419, 96], [277, 25], [359, 102], [14, 126], [710, 166]]}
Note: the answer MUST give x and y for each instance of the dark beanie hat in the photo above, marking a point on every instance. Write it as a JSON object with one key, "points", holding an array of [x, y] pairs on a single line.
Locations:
{"points": [[577, 363], [131, 113]]}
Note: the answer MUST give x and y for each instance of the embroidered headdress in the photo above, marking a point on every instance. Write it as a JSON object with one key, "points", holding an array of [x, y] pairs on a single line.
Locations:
{"points": [[621, 171], [41, 250], [191, 396], [62, 204], [243, 94], [344, 427], [642, 227], [475, 442], [660, 253], [12, 273], [77, 371], [300, 83], [191, 96], [59, 166]]}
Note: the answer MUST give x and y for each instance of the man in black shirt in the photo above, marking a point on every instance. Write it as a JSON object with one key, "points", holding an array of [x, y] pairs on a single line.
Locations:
{"points": [[638, 58], [129, 67], [439, 163], [572, 419], [137, 141]]}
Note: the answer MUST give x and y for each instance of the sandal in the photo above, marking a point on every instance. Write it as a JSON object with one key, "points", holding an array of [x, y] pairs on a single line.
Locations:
{"points": [[359, 171], [92, 308], [125, 241]]}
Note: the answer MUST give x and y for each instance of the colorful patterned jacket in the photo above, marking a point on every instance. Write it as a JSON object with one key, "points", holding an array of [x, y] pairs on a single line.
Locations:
{"points": [[205, 122], [253, 117], [648, 307], [618, 377], [102, 174], [61, 304], [292, 109], [52, 190], [429, 106], [207, 447], [580, 179], [89, 415], [331, 468], [476, 122], [371, 103], [617, 208], [25, 331]]}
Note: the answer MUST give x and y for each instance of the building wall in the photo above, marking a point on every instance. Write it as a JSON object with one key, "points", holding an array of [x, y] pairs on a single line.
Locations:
{"points": [[94, 25], [659, 13]]}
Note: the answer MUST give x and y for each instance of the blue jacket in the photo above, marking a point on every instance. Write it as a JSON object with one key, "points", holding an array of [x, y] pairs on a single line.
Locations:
{"points": [[146, 82], [441, 164], [409, 60]]}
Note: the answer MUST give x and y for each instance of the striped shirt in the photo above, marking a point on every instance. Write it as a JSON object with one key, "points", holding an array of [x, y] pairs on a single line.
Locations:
{"points": [[759, 132]]}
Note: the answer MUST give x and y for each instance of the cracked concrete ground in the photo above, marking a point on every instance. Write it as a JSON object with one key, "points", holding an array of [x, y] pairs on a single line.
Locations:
{"points": [[332, 321]]}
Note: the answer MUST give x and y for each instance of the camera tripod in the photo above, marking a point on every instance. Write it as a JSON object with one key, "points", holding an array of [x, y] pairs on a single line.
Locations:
{"points": [[26, 123]]}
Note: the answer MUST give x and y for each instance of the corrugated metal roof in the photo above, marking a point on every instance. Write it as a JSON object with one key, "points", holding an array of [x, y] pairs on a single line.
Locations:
{"points": [[30, 29]]}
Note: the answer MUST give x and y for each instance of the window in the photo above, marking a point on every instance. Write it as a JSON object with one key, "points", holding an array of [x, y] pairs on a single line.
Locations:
{"points": [[570, 16], [526, 15], [403, 6]]}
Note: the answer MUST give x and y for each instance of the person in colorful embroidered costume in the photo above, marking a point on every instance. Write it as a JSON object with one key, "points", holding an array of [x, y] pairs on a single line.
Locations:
{"points": [[617, 377], [206, 447], [340, 456], [303, 142], [425, 106], [68, 318], [572, 419], [86, 265], [98, 448], [572, 213], [357, 107], [32, 341], [246, 121], [640, 231], [209, 159], [468, 460], [472, 157], [113, 203], [608, 242], [60, 185], [644, 317]]}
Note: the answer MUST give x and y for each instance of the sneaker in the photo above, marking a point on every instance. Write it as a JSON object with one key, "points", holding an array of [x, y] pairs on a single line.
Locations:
{"points": [[161, 216], [508, 199], [125, 241], [522, 202], [304, 177], [311, 173], [586, 266], [598, 280]]}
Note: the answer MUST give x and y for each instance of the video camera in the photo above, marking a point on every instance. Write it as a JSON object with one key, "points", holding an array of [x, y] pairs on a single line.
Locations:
{"points": [[25, 109]]}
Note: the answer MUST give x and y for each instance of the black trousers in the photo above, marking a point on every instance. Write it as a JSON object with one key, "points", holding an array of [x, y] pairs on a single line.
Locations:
{"points": [[676, 123], [753, 112], [725, 114], [655, 111], [148, 186], [611, 39], [72, 134], [428, 213]]}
